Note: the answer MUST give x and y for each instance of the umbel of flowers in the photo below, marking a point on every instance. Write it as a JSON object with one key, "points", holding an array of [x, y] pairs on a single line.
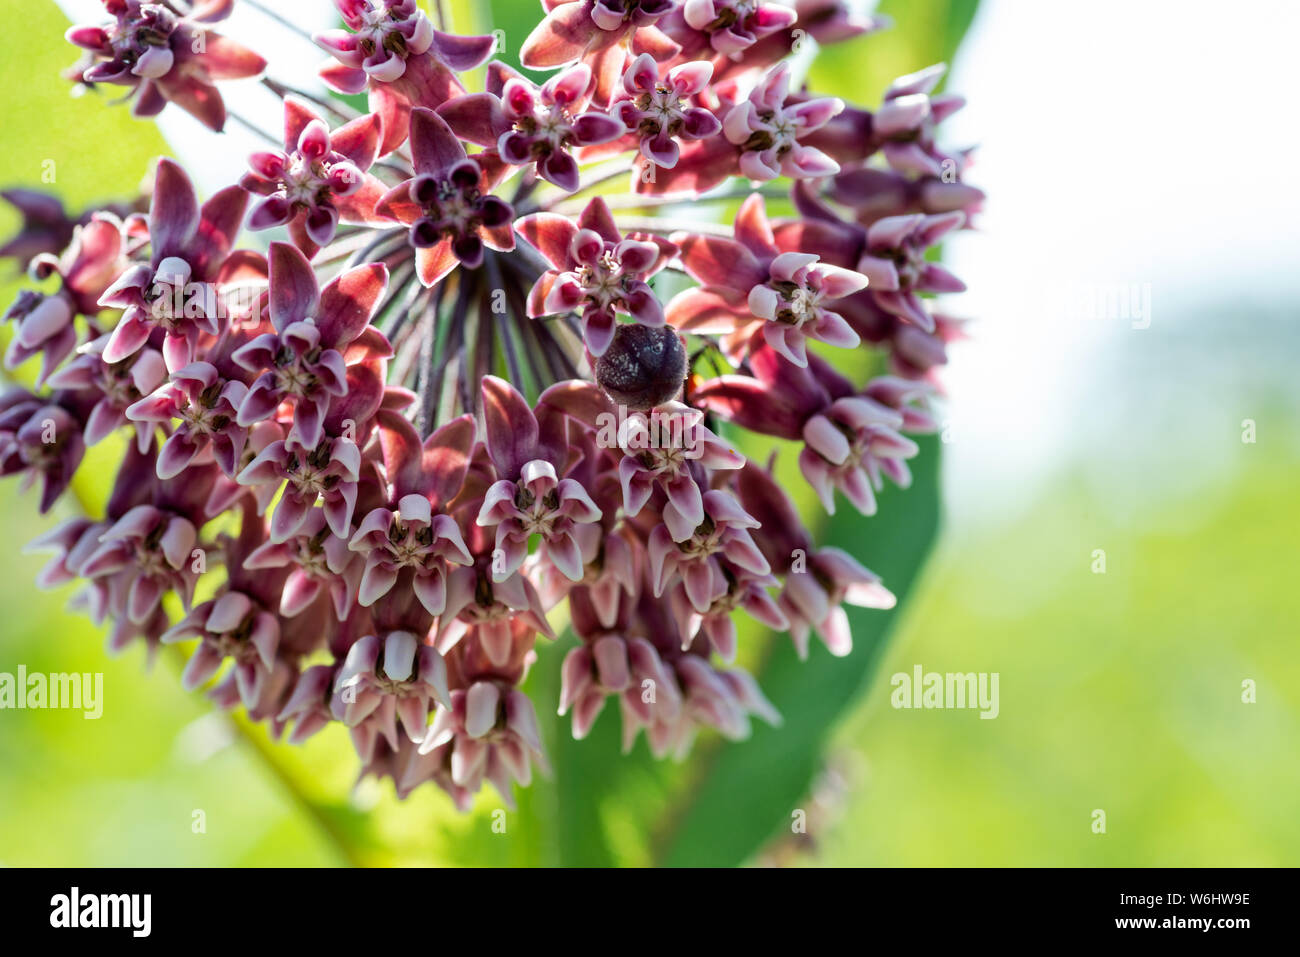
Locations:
{"points": [[483, 371]]}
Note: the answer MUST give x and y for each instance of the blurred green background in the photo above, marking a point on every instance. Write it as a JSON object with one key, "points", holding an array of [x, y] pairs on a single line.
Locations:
{"points": [[1119, 691]]}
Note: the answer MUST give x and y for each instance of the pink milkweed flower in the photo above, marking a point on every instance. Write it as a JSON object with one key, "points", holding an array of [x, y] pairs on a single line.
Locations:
{"points": [[723, 534], [69, 541], [906, 120], [716, 623], [44, 327], [711, 697], [767, 130], [658, 112], [265, 704], [165, 58], [722, 698], [155, 545], [812, 599], [530, 496], [319, 561], [41, 439], [668, 449], [538, 503], [233, 626], [397, 54], [106, 598], [448, 203], [118, 386], [319, 179], [308, 705], [489, 732], [495, 613], [817, 581], [409, 536], [749, 284], [895, 262], [873, 194], [824, 21], [849, 446], [415, 533], [851, 439], [207, 405], [179, 289], [327, 472], [386, 34], [593, 31], [389, 681], [594, 272], [792, 302], [677, 471], [304, 359], [615, 666], [95, 257], [728, 27], [546, 122], [226, 492]]}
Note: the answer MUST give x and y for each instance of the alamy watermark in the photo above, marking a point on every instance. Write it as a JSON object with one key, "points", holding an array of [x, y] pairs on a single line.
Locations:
{"points": [[172, 297], [75, 909], [1108, 301], [61, 690], [930, 689]]}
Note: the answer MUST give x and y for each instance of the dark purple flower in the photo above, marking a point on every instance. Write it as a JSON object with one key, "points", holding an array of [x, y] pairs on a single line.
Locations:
{"points": [[448, 203]]}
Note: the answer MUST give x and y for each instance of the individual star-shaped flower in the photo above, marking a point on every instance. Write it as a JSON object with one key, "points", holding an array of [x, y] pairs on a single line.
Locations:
{"points": [[595, 272], [303, 360], [164, 57], [531, 496], [658, 111], [414, 531], [448, 203], [319, 179], [394, 51], [179, 289], [749, 285]]}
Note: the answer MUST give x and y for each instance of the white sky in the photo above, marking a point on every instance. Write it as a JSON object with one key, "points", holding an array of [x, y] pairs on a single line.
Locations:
{"points": [[1140, 142]]}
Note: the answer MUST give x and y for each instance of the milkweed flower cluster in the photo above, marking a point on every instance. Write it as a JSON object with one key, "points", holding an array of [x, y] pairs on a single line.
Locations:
{"points": [[491, 371]]}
